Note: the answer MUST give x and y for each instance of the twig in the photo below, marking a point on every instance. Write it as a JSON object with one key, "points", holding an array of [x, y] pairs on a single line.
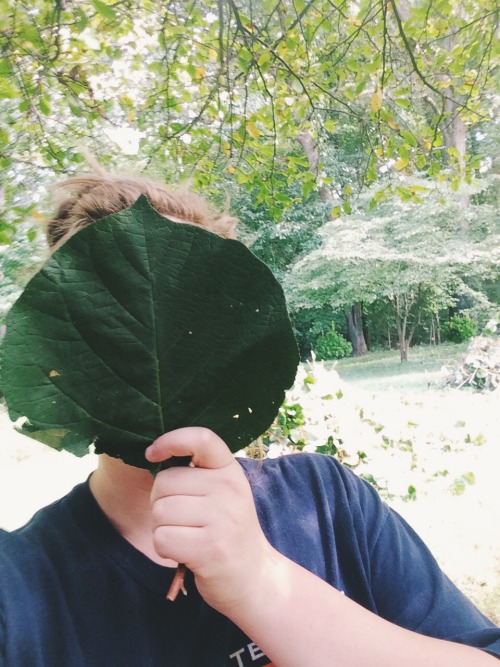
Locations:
{"points": [[177, 584], [469, 379]]}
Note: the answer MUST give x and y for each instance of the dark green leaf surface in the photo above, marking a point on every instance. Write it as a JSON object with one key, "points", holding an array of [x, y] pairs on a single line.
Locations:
{"points": [[139, 325]]}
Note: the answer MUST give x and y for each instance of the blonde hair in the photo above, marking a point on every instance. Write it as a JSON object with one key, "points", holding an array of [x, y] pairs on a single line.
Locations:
{"points": [[89, 197]]}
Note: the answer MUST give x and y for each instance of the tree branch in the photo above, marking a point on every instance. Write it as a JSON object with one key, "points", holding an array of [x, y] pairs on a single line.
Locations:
{"points": [[417, 69]]}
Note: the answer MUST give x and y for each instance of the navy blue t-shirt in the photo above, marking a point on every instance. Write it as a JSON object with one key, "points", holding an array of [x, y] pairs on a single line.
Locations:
{"points": [[74, 593]]}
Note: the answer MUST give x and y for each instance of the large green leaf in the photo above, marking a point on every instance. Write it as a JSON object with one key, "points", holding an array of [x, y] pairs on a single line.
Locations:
{"points": [[139, 325]]}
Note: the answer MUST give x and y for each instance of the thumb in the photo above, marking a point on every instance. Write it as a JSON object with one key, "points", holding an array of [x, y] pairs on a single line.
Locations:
{"points": [[206, 449]]}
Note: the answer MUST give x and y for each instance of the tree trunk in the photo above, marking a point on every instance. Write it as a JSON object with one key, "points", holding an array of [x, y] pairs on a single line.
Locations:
{"points": [[407, 304], [355, 330], [366, 330], [401, 311], [403, 347], [438, 329], [306, 140], [453, 129], [455, 136]]}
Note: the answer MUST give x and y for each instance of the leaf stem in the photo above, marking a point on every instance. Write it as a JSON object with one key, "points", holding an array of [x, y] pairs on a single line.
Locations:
{"points": [[177, 584]]}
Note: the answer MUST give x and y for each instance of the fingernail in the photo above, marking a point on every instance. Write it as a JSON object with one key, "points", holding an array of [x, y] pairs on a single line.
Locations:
{"points": [[151, 451]]}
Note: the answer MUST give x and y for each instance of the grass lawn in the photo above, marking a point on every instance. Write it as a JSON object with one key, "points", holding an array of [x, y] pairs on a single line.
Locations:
{"points": [[383, 370]]}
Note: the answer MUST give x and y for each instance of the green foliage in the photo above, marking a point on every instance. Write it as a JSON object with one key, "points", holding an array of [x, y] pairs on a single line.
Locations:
{"points": [[137, 326], [461, 328], [290, 417], [411, 494], [478, 441], [379, 317], [311, 323], [216, 91], [291, 432], [278, 244], [460, 484], [332, 345], [286, 425], [19, 259]]}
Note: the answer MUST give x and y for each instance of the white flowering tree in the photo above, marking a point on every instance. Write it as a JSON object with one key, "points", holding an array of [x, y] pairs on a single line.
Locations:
{"points": [[407, 253]]}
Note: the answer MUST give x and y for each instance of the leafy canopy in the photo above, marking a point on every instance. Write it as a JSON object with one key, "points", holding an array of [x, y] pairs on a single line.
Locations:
{"points": [[139, 325], [397, 247], [221, 90]]}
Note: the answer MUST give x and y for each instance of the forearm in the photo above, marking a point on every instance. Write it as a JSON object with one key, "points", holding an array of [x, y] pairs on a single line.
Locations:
{"points": [[297, 619]]}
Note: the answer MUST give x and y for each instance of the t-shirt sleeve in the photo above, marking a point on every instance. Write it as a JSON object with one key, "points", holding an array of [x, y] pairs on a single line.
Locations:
{"points": [[338, 527], [411, 590]]}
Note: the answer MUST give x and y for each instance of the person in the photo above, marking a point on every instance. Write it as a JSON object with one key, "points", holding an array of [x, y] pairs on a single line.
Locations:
{"points": [[292, 562]]}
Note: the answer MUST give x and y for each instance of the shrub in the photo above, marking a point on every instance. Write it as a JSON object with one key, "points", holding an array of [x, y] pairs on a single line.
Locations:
{"points": [[332, 346], [461, 328], [310, 323]]}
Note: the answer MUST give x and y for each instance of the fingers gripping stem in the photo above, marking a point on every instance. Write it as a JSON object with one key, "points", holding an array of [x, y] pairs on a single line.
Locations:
{"points": [[177, 584]]}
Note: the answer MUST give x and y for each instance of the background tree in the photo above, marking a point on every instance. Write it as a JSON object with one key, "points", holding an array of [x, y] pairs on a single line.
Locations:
{"points": [[407, 253]]}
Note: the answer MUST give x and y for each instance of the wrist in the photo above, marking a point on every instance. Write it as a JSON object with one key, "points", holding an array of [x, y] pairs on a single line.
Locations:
{"points": [[264, 584], [247, 583]]}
